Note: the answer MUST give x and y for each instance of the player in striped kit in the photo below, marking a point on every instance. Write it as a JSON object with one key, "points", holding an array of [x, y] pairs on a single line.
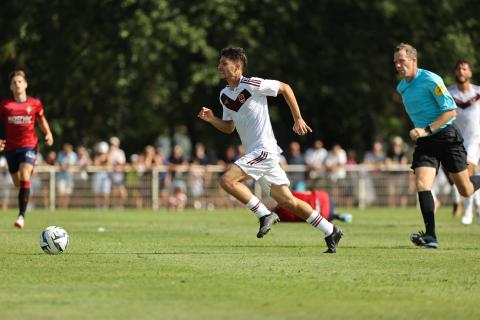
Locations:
{"points": [[19, 115], [467, 99], [245, 108]]}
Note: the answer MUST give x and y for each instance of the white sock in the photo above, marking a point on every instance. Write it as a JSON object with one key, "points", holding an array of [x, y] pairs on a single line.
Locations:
{"points": [[320, 222], [468, 204], [257, 207], [456, 195]]}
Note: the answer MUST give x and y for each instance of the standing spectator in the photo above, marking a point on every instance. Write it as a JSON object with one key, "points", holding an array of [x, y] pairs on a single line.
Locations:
{"points": [[117, 161], [66, 160], [177, 164], [335, 163], [229, 157], [374, 160], [398, 179], [200, 155], [49, 160], [19, 115], [102, 185], [196, 181], [315, 159], [133, 182], [83, 161], [295, 157]]}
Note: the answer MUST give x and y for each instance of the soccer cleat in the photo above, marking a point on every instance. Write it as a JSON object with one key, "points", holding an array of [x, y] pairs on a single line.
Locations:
{"points": [[421, 239], [266, 223], [20, 222], [333, 240]]}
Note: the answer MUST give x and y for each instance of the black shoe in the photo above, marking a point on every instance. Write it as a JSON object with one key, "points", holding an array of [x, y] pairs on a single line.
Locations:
{"points": [[333, 240], [266, 223], [421, 239]]}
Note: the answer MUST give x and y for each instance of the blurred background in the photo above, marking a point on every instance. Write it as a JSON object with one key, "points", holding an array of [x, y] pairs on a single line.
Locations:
{"points": [[140, 70]]}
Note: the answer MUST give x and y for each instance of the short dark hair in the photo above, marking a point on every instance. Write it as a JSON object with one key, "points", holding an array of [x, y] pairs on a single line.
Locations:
{"points": [[463, 61], [409, 50], [235, 54], [15, 73]]}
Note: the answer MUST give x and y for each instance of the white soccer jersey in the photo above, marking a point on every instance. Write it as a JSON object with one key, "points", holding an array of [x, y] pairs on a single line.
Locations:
{"points": [[468, 112], [248, 108]]}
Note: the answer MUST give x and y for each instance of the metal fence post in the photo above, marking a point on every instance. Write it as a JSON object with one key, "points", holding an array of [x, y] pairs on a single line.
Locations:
{"points": [[155, 188]]}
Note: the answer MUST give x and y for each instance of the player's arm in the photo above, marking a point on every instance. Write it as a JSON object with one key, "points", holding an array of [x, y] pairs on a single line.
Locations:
{"points": [[43, 124], [207, 115], [299, 126]]}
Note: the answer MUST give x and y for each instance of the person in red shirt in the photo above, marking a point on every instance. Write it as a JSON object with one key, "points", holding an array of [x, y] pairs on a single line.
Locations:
{"points": [[20, 141]]}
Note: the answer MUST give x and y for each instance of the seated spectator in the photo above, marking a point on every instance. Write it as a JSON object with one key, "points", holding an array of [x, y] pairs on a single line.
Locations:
{"points": [[177, 200]]}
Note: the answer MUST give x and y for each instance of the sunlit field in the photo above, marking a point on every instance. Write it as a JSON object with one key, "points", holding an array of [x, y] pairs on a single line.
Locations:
{"points": [[209, 265]]}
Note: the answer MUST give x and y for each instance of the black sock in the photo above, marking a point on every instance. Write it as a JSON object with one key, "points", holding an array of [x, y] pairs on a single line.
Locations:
{"points": [[427, 206], [475, 181], [23, 197]]}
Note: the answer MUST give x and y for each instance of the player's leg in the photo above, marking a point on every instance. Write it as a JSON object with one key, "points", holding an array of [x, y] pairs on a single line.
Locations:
{"points": [[424, 178], [285, 199], [24, 173], [231, 182], [473, 155]]}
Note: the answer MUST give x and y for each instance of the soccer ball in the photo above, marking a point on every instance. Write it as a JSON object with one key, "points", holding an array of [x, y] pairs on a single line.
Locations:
{"points": [[54, 240]]}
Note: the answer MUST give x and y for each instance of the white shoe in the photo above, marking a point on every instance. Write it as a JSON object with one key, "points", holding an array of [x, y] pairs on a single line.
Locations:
{"points": [[467, 219], [20, 222]]}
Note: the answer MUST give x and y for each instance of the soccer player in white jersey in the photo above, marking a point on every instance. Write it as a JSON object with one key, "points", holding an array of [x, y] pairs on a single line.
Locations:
{"points": [[245, 108], [467, 98]]}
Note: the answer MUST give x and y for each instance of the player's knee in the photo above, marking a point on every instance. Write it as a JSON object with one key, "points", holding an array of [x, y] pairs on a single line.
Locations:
{"points": [[225, 183], [465, 191]]}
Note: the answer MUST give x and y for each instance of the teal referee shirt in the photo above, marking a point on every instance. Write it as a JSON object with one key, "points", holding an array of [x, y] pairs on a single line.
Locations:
{"points": [[425, 97]]}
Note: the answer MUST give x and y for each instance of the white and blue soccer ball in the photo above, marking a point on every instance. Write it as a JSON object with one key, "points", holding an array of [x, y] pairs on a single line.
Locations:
{"points": [[54, 240]]}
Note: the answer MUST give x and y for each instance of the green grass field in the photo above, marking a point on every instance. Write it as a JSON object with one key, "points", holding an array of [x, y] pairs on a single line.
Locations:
{"points": [[209, 265]]}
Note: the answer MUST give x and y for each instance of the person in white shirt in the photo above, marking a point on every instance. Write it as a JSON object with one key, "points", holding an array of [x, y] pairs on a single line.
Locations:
{"points": [[245, 108], [467, 98], [315, 159]]}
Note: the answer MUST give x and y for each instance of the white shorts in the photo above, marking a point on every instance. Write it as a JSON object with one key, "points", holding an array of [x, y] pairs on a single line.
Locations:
{"points": [[101, 183], [65, 186], [473, 152], [265, 168]]}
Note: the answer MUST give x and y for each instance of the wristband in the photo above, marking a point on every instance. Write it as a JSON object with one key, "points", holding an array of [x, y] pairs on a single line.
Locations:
{"points": [[429, 129]]}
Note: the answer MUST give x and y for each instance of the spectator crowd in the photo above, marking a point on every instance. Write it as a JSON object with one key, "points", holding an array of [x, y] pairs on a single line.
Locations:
{"points": [[115, 181]]}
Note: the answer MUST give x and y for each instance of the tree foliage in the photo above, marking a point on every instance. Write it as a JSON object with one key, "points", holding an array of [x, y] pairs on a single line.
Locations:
{"points": [[138, 69]]}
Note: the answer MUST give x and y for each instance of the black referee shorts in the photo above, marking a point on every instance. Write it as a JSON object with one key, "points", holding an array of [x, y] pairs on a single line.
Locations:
{"points": [[445, 147]]}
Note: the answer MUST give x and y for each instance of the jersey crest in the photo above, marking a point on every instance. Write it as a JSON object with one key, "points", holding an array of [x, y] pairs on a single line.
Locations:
{"points": [[236, 104]]}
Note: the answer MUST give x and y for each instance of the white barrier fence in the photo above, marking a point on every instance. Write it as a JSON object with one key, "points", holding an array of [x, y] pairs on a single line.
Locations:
{"points": [[361, 186]]}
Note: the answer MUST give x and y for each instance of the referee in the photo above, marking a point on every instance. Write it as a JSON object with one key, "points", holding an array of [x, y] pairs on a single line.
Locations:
{"points": [[432, 110]]}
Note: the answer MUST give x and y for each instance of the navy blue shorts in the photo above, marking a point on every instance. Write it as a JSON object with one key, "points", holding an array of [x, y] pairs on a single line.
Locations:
{"points": [[18, 156]]}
